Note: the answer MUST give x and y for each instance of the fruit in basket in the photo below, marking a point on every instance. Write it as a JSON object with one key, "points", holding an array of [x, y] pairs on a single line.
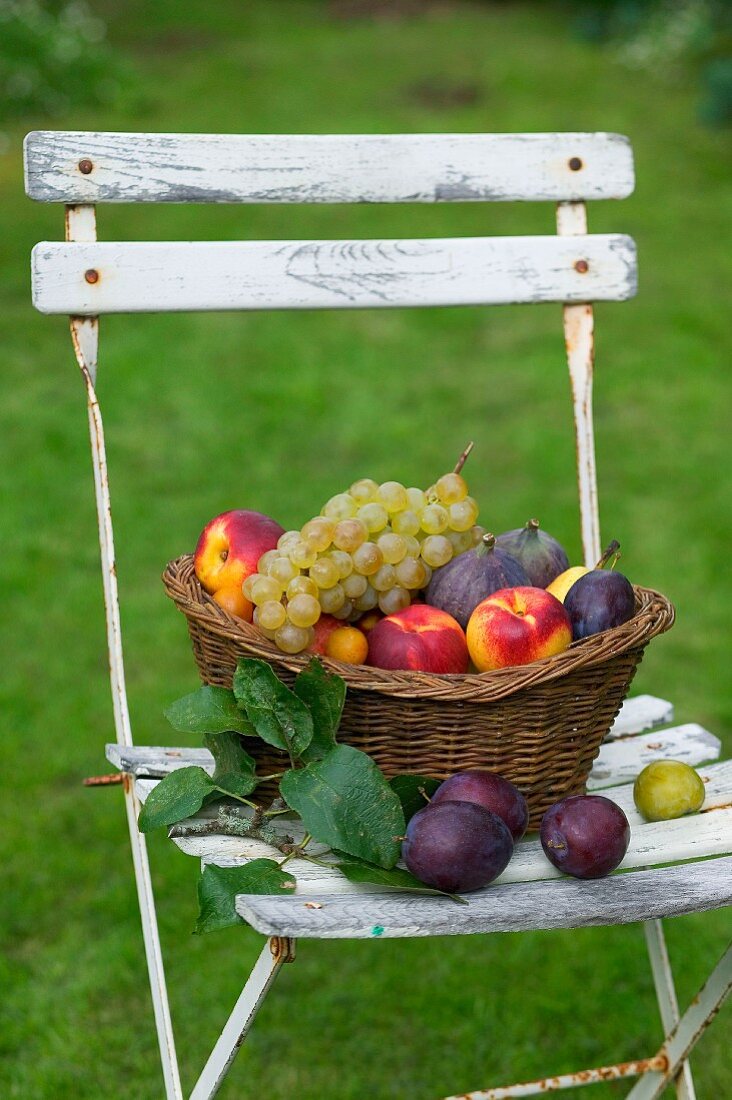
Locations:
{"points": [[516, 626], [233, 600], [230, 546], [599, 601], [561, 585], [491, 791], [420, 638], [456, 846], [460, 585], [322, 630], [542, 557], [585, 835], [348, 644], [667, 789]]}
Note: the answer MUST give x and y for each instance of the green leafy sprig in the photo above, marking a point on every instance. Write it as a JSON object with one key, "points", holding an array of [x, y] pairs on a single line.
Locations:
{"points": [[341, 797]]}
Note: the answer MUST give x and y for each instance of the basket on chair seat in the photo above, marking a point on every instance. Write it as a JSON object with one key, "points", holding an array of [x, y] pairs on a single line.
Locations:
{"points": [[539, 725]]}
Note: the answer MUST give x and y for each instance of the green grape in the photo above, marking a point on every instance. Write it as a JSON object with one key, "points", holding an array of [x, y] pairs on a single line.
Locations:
{"points": [[332, 599], [374, 516], [364, 490], [368, 601], [405, 523], [344, 611], [271, 615], [434, 519], [463, 514], [427, 575], [303, 554], [283, 570], [349, 534], [413, 545], [436, 550], [411, 573], [284, 542], [451, 488], [355, 586], [396, 599], [392, 546], [393, 496], [461, 541], [293, 639], [267, 633], [324, 572], [417, 500], [384, 578], [343, 563], [247, 586], [301, 585], [367, 558], [341, 506], [264, 563], [477, 533], [318, 532], [303, 610], [265, 588]]}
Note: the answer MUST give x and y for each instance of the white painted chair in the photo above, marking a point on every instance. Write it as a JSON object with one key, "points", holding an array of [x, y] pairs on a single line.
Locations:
{"points": [[85, 278]]}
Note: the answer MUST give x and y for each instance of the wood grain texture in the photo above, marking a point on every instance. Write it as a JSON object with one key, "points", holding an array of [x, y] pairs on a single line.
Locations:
{"points": [[325, 168], [564, 903], [641, 712], [224, 275], [620, 761]]}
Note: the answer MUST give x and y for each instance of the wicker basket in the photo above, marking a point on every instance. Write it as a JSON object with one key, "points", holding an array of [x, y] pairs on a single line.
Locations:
{"points": [[539, 725]]}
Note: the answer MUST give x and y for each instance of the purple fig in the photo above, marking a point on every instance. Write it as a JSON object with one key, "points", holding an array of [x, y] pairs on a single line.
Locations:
{"points": [[468, 579], [542, 556]]}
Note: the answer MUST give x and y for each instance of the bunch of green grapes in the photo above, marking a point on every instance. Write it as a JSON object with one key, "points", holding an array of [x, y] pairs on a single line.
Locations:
{"points": [[373, 546]]}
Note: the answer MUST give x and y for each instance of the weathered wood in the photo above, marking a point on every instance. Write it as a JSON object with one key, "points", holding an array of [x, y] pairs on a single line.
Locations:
{"points": [[620, 761], [564, 903], [325, 168], [641, 712], [143, 277]]}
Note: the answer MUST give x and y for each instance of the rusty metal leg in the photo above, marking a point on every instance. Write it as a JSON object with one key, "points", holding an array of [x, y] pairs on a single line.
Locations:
{"points": [[687, 1032], [667, 1002], [275, 953]]}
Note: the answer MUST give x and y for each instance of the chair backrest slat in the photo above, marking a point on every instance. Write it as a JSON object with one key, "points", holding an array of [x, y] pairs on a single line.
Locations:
{"points": [[124, 277], [332, 168]]}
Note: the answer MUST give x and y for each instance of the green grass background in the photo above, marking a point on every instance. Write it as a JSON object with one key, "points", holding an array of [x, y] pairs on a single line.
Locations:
{"points": [[276, 412]]}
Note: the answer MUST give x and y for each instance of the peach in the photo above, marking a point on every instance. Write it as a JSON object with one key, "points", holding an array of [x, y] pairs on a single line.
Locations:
{"points": [[230, 546], [233, 600], [515, 626], [420, 637]]}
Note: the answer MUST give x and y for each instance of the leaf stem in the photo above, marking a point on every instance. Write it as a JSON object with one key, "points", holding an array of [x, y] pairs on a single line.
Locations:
{"points": [[238, 797]]}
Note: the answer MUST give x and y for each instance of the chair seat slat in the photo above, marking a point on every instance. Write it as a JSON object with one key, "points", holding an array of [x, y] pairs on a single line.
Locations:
{"points": [[130, 277], [82, 167]]}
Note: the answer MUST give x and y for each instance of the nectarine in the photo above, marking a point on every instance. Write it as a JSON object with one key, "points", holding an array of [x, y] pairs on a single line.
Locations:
{"points": [[420, 637], [516, 626], [230, 546]]}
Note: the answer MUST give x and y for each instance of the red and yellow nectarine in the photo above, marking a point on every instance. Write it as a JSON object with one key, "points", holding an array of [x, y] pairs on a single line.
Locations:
{"points": [[516, 626], [230, 546], [420, 637]]}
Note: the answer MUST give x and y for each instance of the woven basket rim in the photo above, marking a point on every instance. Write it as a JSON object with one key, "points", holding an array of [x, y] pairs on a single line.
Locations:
{"points": [[654, 615]]}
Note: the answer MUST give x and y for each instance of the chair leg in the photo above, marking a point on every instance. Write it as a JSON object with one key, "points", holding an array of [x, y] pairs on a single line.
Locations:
{"points": [[666, 994], [274, 954], [687, 1032]]}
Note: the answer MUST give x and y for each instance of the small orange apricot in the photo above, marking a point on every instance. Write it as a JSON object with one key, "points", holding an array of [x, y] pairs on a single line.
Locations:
{"points": [[347, 644], [233, 600]]}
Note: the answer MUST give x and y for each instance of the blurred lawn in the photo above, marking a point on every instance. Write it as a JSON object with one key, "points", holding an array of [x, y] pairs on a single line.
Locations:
{"points": [[276, 412]]}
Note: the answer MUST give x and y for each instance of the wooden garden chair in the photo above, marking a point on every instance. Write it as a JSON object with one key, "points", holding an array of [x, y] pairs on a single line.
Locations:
{"points": [[85, 278]]}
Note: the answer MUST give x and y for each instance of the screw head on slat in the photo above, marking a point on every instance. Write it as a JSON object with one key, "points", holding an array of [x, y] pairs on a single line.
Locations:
{"points": [[582, 267], [85, 166], [91, 275], [575, 164]]}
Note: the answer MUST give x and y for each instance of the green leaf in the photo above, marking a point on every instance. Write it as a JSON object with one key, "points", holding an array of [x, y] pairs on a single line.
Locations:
{"points": [[395, 878], [276, 713], [218, 887], [345, 802], [208, 710], [408, 789], [235, 769], [324, 693], [180, 794]]}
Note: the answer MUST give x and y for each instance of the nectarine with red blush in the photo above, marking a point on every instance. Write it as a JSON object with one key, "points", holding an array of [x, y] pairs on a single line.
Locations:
{"points": [[230, 546], [516, 626], [421, 638]]}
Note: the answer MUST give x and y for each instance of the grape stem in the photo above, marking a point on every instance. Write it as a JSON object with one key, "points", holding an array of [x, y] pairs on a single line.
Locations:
{"points": [[463, 457]]}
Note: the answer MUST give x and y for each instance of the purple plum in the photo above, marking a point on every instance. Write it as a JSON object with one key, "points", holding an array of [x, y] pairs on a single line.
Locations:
{"points": [[598, 601], [490, 790], [585, 836], [456, 846]]}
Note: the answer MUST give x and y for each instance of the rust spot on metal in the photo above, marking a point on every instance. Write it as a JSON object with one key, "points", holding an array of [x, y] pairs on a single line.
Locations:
{"points": [[582, 267], [282, 948], [104, 780], [575, 163], [92, 275], [86, 167], [127, 782]]}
